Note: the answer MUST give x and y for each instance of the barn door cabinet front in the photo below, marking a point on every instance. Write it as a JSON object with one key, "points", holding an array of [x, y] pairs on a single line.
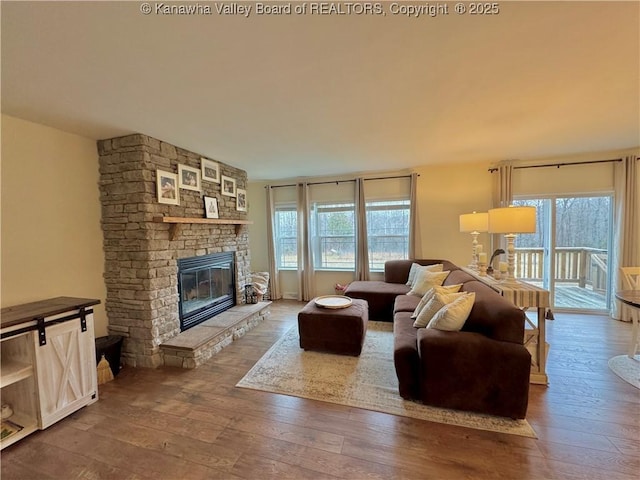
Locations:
{"points": [[65, 367]]}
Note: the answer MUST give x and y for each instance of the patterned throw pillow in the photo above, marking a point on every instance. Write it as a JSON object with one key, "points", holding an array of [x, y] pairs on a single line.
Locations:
{"points": [[452, 317], [425, 280], [429, 295], [433, 306], [415, 267]]}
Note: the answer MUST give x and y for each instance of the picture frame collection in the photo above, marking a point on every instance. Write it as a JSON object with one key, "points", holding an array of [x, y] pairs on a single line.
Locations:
{"points": [[168, 186]]}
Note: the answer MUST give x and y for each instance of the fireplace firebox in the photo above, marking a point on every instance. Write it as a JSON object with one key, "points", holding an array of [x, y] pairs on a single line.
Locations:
{"points": [[206, 287]]}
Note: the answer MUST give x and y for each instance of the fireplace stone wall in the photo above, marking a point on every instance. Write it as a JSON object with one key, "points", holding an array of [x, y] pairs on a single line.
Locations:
{"points": [[140, 259]]}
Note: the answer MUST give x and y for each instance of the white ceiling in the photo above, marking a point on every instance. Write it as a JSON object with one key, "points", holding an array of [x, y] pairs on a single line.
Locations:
{"points": [[308, 95]]}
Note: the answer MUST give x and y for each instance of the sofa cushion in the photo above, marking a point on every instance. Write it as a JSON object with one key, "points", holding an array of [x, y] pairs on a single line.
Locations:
{"points": [[429, 295], [426, 280], [405, 303], [405, 356], [434, 305], [452, 316], [397, 271], [379, 295], [416, 267]]}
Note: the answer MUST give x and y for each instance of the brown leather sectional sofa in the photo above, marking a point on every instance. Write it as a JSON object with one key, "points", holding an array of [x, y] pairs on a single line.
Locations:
{"points": [[482, 368]]}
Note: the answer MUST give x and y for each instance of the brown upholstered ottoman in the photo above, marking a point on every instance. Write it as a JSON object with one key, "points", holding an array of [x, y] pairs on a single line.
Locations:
{"points": [[340, 330]]}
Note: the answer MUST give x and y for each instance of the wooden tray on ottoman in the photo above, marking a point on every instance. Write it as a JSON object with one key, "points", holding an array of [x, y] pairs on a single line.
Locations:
{"points": [[333, 301]]}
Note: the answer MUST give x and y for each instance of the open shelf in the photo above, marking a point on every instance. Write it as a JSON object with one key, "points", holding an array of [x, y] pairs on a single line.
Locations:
{"points": [[28, 424], [177, 222], [13, 371]]}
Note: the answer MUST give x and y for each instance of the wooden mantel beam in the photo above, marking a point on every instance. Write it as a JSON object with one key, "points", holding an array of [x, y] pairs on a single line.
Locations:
{"points": [[177, 222]]}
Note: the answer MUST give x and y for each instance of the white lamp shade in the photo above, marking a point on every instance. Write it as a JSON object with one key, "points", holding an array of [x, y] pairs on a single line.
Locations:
{"points": [[474, 222], [512, 220]]}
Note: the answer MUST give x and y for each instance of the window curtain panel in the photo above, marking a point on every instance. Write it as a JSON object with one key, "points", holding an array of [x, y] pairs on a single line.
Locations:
{"points": [[626, 247], [274, 273], [362, 247], [502, 196], [413, 214], [306, 281]]}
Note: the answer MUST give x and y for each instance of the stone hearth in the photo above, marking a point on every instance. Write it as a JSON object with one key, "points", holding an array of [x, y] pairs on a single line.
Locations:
{"points": [[141, 259], [195, 346]]}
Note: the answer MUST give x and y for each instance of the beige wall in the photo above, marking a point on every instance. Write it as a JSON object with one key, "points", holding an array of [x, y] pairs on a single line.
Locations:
{"points": [[51, 238], [445, 192]]}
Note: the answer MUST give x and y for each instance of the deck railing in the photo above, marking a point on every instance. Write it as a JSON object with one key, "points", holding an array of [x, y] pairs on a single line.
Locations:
{"points": [[581, 265]]}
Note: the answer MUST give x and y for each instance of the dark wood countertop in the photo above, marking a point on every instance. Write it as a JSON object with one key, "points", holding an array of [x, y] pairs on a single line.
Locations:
{"points": [[11, 316]]}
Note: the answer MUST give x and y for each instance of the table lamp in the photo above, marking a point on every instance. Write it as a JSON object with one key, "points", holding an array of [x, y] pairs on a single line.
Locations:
{"points": [[474, 223], [510, 221]]}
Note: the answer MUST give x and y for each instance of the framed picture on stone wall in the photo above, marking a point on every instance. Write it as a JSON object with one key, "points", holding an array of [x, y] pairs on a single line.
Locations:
{"points": [[210, 207], [228, 186], [189, 178], [210, 170], [167, 187], [241, 200]]}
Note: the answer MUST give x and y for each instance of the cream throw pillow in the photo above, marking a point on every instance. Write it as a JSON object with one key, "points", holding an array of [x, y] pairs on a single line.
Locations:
{"points": [[415, 267], [429, 295], [452, 316], [425, 280], [433, 306]]}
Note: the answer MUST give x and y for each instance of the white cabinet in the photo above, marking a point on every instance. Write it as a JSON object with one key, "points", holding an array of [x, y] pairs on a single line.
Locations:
{"points": [[48, 363]]}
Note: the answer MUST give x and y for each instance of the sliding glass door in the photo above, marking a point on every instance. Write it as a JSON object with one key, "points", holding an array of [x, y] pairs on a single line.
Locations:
{"points": [[570, 253]]}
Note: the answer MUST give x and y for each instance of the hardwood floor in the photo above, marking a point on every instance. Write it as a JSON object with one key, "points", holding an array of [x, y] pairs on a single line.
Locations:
{"points": [[194, 424]]}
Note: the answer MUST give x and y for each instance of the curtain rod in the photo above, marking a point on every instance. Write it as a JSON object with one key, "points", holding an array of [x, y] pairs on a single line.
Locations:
{"points": [[558, 165], [340, 181]]}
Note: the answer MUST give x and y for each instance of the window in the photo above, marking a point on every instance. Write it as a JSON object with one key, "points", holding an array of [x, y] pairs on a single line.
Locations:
{"points": [[333, 234], [387, 231], [333, 226], [286, 233]]}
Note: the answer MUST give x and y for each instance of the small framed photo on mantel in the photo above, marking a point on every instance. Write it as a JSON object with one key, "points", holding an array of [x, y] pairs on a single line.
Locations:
{"points": [[167, 187], [189, 178], [210, 207], [241, 200], [228, 186], [210, 170]]}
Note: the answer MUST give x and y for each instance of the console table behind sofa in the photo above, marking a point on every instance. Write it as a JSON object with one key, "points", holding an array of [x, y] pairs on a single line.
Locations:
{"points": [[525, 295]]}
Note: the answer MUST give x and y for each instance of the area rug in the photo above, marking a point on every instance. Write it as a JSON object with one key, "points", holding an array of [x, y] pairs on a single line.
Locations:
{"points": [[627, 368], [368, 381]]}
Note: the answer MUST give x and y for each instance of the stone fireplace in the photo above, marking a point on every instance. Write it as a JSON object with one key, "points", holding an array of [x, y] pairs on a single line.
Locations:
{"points": [[142, 255]]}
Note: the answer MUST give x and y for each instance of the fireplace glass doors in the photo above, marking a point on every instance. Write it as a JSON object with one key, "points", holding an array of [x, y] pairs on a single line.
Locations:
{"points": [[206, 287]]}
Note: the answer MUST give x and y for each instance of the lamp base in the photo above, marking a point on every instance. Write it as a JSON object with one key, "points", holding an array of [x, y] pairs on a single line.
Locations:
{"points": [[510, 282], [474, 254]]}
